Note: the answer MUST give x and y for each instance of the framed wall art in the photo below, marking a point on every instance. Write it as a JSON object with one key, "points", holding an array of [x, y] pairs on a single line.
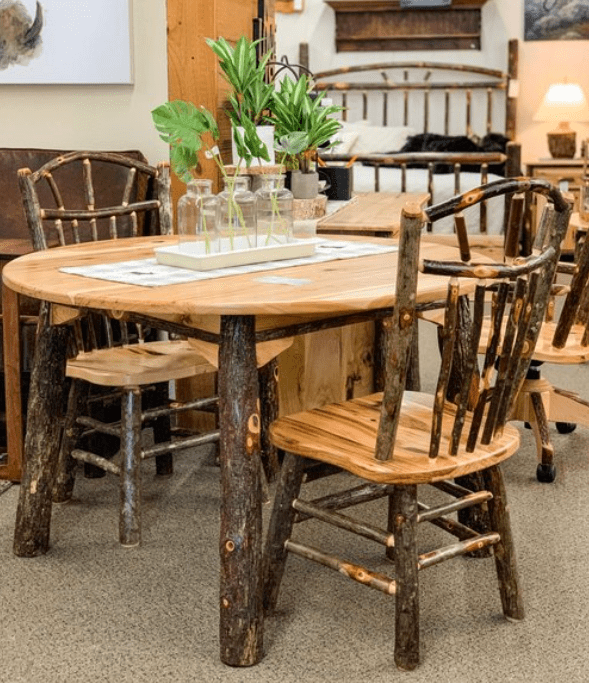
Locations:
{"points": [[65, 41], [556, 20]]}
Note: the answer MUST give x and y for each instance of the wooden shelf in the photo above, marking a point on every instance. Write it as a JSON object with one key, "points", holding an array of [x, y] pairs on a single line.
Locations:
{"points": [[382, 25]]}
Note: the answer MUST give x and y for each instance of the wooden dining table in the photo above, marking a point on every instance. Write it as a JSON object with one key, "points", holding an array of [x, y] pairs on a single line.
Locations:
{"points": [[234, 312]]}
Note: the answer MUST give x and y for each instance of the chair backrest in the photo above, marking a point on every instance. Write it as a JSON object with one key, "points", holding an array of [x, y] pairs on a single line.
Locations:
{"points": [[490, 360], [573, 314], [142, 207]]}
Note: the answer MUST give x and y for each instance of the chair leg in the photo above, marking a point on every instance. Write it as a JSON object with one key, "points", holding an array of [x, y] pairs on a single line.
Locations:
{"points": [[546, 471], [162, 432], [130, 500], [404, 518], [66, 465], [268, 390], [505, 560], [280, 528]]}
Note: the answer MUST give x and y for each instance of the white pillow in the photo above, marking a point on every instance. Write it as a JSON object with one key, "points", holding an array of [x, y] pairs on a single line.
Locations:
{"points": [[343, 142], [381, 139], [375, 139]]}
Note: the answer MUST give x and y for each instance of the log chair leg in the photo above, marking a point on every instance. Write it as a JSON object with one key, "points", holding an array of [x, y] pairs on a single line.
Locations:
{"points": [[33, 515], [241, 608], [505, 559], [404, 514], [162, 431], [280, 527], [130, 491], [66, 465], [546, 471], [268, 387]]}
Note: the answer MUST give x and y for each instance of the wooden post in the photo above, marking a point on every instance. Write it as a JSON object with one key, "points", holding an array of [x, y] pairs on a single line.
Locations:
{"points": [[12, 384], [241, 619], [33, 516], [505, 560], [130, 491], [268, 387], [404, 523]]}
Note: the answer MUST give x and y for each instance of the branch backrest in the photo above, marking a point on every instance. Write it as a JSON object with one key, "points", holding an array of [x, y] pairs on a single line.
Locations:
{"points": [[481, 366], [137, 201], [428, 96]]}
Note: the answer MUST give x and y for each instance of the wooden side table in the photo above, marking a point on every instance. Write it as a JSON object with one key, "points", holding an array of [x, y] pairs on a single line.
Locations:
{"points": [[557, 171], [578, 229]]}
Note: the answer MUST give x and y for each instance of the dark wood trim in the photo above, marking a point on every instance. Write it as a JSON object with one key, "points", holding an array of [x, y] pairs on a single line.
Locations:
{"points": [[373, 25]]}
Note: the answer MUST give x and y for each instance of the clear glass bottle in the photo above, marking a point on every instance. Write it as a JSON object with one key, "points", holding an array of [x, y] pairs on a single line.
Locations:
{"points": [[275, 211], [237, 215], [198, 216]]}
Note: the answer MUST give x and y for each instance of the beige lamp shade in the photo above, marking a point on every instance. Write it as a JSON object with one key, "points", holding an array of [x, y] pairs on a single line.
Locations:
{"points": [[562, 103]]}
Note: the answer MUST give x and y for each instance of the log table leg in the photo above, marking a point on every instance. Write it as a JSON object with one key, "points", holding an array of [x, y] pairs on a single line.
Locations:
{"points": [[33, 516], [241, 610]]}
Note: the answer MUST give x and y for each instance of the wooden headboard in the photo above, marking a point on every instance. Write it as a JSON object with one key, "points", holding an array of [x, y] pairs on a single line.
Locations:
{"points": [[450, 99]]}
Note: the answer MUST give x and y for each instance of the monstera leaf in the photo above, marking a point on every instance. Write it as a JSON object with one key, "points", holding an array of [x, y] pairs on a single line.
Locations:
{"points": [[182, 126]]}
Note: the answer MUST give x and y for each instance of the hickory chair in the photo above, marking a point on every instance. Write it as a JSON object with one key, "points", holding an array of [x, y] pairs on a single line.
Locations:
{"points": [[398, 440], [563, 340], [118, 355], [15, 241]]}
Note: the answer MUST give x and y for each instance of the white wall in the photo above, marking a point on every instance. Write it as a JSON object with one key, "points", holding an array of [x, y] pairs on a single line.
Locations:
{"points": [[96, 117], [540, 62]]}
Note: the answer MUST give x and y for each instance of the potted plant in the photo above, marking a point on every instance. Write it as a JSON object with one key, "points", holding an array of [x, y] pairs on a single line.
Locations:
{"points": [[302, 125], [250, 97], [188, 129]]}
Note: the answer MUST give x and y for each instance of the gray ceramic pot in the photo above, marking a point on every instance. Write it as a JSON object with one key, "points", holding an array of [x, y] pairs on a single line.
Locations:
{"points": [[304, 185]]}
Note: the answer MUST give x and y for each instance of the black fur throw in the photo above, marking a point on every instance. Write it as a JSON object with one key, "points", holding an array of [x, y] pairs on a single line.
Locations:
{"points": [[434, 142]]}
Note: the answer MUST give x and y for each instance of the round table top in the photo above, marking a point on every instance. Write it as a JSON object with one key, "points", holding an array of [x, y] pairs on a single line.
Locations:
{"points": [[332, 287]]}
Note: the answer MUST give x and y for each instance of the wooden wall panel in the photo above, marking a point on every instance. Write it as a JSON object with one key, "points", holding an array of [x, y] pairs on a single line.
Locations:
{"points": [[193, 75]]}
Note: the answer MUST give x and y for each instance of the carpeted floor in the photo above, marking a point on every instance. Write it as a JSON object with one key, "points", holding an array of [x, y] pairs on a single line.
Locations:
{"points": [[91, 612]]}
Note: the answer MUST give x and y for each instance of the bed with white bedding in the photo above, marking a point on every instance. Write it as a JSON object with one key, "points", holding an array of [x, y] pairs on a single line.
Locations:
{"points": [[424, 126]]}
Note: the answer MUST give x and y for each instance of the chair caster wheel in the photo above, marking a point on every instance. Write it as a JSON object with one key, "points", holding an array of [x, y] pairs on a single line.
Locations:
{"points": [[565, 427], [546, 473]]}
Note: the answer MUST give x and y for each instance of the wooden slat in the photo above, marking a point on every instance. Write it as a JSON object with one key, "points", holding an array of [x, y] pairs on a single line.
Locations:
{"points": [[371, 214]]}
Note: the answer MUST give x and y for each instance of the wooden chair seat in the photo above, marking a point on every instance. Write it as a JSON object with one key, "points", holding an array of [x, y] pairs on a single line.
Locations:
{"points": [[344, 434], [138, 364], [575, 352]]}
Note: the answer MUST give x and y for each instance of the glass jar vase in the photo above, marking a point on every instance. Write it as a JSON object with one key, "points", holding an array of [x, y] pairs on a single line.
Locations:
{"points": [[198, 217], [275, 211], [237, 214]]}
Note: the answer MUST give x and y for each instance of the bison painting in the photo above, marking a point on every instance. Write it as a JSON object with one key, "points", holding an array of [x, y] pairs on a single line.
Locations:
{"points": [[20, 34]]}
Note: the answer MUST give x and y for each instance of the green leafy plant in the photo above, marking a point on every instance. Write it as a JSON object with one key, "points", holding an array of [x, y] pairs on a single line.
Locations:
{"points": [[186, 128], [302, 123], [250, 95]]}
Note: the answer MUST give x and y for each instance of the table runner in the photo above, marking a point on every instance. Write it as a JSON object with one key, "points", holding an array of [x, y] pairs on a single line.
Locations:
{"points": [[150, 273]]}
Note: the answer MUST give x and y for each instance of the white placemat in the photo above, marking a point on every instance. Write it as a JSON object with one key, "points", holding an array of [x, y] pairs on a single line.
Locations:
{"points": [[150, 273]]}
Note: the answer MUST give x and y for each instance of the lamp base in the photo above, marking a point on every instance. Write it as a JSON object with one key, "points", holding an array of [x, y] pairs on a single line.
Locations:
{"points": [[562, 145]]}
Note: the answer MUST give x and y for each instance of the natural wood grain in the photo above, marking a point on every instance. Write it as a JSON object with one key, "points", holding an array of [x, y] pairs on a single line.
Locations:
{"points": [[346, 438], [138, 364], [335, 287], [378, 214]]}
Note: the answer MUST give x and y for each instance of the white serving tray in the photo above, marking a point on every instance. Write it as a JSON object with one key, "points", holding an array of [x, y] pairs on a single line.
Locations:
{"points": [[192, 255]]}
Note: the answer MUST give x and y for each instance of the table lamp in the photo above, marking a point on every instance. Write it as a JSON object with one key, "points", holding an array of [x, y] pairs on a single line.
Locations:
{"points": [[562, 103]]}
